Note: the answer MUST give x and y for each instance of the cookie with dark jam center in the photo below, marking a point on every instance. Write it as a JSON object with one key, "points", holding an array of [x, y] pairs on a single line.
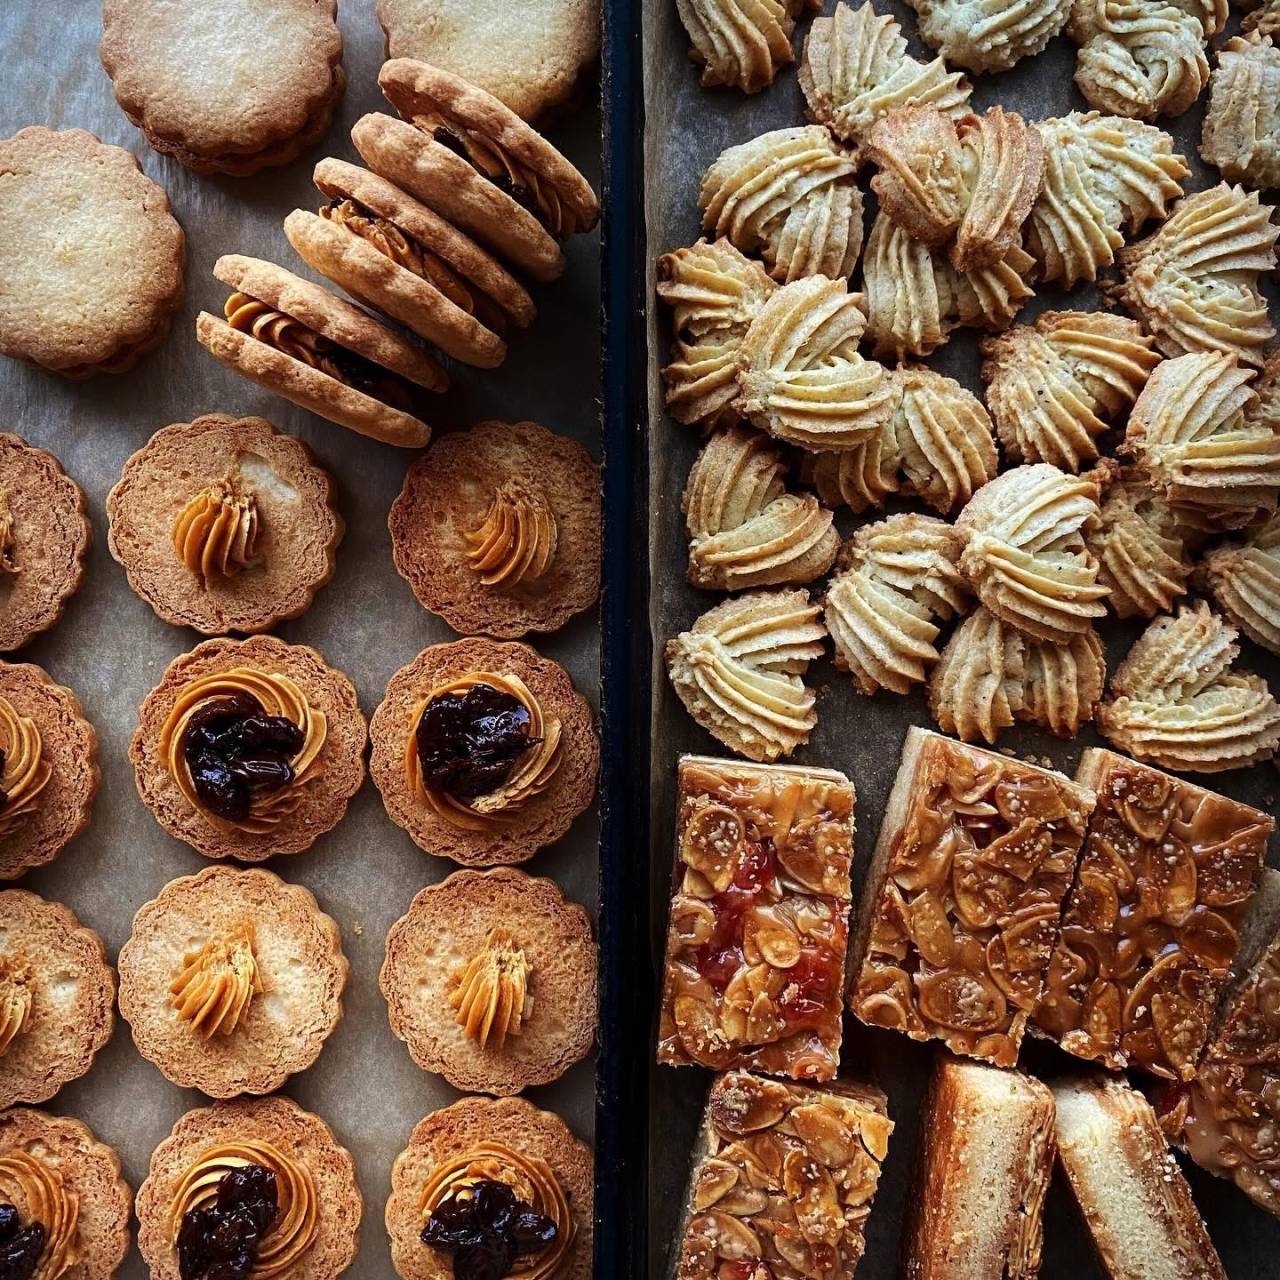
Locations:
{"points": [[220, 1241], [486, 1232], [469, 742]]}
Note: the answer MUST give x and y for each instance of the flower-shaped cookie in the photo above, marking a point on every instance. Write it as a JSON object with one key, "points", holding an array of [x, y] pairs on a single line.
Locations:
{"points": [[989, 35], [1242, 124], [1245, 581], [741, 42]]}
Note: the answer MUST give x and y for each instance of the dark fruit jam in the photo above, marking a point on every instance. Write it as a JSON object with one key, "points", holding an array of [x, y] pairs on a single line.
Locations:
{"points": [[235, 751], [20, 1247], [485, 1233], [468, 743], [220, 1241]]}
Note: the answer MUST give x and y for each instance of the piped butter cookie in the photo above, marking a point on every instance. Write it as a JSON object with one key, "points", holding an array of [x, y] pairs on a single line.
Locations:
{"points": [[54, 1172], [92, 269], [57, 997], [468, 1167], [298, 340], [490, 979], [226, 86], [224, 524], [484, 751], [497, 529], [48, 768], [249, 748], [44, 539], [264, 1158]]}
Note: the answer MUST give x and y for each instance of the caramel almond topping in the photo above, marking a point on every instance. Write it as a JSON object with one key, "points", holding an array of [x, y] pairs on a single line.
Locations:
{"points": [[216, 535], [492, 996], [217, 983], [6, 535], [297, 1220], [39, 1194], [517, 538], [24, 772], [15, 999]]}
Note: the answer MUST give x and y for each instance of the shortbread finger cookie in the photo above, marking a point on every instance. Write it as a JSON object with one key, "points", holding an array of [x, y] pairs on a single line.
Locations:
{"points": [[44, 539], [249, 748], [298, 340], [224, 524], [54, 1172], [226, 86], [490, 979], [484, 751], [538, 1164], [268, 1159], [232, 981], [497, 529], [50, 771], [57, 997], [93, 272]]}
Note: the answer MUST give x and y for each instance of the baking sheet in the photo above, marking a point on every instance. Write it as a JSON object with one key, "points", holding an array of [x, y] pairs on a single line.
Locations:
{"points": [[686, 128], [111, 649]]}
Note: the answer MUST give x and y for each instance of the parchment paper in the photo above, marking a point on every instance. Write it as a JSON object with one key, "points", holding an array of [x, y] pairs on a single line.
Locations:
{"points": [[686, 128], [111, 649]]}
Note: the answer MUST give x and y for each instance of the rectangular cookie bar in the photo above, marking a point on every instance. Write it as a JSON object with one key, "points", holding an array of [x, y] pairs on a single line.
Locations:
{"points": [[960, 910], [783, 1179], [1153, 923], [759, 922]]}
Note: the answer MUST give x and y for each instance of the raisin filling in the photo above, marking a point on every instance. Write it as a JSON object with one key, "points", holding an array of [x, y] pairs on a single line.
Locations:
{"points": [[20, 1247], [516, 190], [469, 743], [234, 751], [486, 1231], [220, 1241]]}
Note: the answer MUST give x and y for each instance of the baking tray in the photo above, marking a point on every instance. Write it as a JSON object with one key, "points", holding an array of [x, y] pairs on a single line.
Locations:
{"points": [[111, 649], [685, 128]]}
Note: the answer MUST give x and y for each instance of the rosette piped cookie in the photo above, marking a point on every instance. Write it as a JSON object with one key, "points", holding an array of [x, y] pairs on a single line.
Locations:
{"points": [[226, 86], [497, 529], [259, 1177], [464, 154], [48, 768], [484, 751], [224, 524], [499, 1171], [44, 539], [1242, 124], [1245, 581], [990, 35], [490, 979], [741, 43], [296, 339], [249, 748], [57, 997], [92, 272], [64, 1208], [232, 981]]}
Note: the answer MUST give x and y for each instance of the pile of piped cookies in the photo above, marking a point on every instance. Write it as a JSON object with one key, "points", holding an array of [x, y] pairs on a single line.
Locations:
{"points": [[1115, 460]]}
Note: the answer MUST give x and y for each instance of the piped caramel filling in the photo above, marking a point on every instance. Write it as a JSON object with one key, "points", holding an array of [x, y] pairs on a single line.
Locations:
{"points": [[24, 772], [218, 982], [492, 996], [15, 999], [216, 534], [39, 1194], [7, 565], [517, 538]]}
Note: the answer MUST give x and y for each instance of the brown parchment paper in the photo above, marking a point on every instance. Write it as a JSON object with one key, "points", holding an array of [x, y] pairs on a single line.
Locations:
{"points": [[111, 649], [686, 128]]}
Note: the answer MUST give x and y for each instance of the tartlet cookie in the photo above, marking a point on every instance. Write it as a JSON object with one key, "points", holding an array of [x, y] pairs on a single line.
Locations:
{"points": [[316, 1231], [486, 1139], [44, 538], [298, 340], [287, 680], [50, 774], [224, 524], [531, 57], [225, 86], [497, 529], [490, 979], [57, 1162], [541, 784], [232, 980], [93, 273], [57, 997]]}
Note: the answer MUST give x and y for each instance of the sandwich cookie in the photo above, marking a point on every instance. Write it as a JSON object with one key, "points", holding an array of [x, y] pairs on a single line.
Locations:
{"points": [[264, 1159], [499, 1171], [484, 752], [388, 250], [490, 979], [474, 161], [497, 529], [224, 524], [44, 539], [92, 269], [226, 86], [249, 748], [57, 997], [296, 339]]}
